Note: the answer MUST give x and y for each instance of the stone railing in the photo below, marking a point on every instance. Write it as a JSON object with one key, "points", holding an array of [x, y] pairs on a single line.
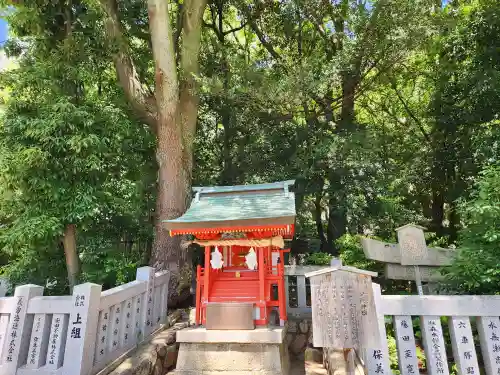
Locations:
{"points": [[80, 333], [298, 291], [464, 317]]}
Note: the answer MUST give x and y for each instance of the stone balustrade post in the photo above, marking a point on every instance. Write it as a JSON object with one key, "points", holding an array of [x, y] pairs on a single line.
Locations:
{"points": [[82, 330], [15, 351]]}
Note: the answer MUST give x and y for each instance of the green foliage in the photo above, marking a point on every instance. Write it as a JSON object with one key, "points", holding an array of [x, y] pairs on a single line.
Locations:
{"points": [[384, 112], [476, 269], [105, 262], [393, 354], [61, 164], [318, 259], [352, 254], [69, 154]]}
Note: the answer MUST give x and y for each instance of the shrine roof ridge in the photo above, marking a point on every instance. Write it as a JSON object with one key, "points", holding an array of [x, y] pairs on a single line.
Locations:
{"points": [[243, 188]]}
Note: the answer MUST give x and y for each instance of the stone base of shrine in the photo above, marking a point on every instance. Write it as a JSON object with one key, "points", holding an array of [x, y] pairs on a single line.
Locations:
{"points": [[261, 351]]}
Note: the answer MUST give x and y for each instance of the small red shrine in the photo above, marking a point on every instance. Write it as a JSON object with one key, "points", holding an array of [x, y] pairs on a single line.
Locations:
{"points": [[243, 230]]}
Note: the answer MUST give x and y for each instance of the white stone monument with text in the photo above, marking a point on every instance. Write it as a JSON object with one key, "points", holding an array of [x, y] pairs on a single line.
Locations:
{"points": [[344, 315]]}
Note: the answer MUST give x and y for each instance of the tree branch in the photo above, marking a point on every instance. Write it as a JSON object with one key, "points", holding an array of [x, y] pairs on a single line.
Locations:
{"points": [[162, 40], [212, 26], [135, 92], [243, 24], [268, 46], [189, 68], [410, 112]]}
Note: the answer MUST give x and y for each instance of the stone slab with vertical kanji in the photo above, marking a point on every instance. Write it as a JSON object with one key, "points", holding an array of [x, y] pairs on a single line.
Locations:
{"points": [[147, 274], [435, 349], [17, 341], [462, 342], [488, 328], [82, 328], [343, 308], [407, 354]]}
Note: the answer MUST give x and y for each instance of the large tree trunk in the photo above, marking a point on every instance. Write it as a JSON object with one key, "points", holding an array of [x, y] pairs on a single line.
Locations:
{"points": [[177, 104], [454, 220], [173, 188], [71, 254], [350, 82], [171, 113], [337, 221]]}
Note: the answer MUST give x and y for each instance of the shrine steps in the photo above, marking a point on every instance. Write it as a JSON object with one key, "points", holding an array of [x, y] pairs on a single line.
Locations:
{"points": [[234, 291]]}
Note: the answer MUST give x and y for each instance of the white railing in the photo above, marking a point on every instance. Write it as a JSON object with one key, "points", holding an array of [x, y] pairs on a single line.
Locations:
{"points": [[466, 316], [298, 291], [81, 333]]}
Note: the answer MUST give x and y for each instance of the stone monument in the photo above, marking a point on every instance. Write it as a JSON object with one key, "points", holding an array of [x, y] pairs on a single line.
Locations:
{"points": [[344, 317]]}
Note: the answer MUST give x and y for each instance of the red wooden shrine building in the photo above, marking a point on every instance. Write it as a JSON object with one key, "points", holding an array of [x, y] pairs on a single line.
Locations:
{"points": [[242, 229]]}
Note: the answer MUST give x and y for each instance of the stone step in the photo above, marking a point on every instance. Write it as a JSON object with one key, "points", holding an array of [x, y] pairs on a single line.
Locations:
{"points": [[314, 368], [314, 362], [231, 358], [229, 372]]}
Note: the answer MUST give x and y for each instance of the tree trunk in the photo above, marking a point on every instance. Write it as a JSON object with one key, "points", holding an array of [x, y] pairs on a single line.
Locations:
{"points": [[438, 186], [72, 259], [177, 106], [228, 172], [454, 220], [337, 223], [337, 220], [171, 202], [350, 82], [171, 113], [319, 222], [227, 175], [437, 209]]}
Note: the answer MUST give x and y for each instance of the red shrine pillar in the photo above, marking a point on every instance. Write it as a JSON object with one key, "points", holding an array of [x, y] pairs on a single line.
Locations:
{"points": [[281, 288], [206, 282], [262, 282], [198, 295]]}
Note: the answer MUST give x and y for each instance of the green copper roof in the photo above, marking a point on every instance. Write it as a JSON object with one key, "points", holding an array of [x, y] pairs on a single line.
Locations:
{"points": [[227, 206]]}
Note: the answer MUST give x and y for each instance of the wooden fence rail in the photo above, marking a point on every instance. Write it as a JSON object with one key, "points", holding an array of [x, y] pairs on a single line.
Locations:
{"points": [[53, 335]]}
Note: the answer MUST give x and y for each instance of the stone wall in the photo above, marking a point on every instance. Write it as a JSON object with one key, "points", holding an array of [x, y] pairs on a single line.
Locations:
{"points": [[299, 336], [156, 356]]}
